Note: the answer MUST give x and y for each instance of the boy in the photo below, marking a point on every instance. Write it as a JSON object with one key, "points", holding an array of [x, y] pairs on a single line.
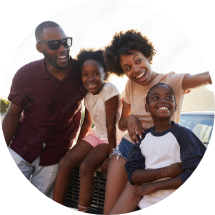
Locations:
{"points": [[162, 145]]}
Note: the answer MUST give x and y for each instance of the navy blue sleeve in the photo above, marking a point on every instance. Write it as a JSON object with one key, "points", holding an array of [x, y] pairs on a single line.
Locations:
{"points": [[135, 160], [191, 151]]}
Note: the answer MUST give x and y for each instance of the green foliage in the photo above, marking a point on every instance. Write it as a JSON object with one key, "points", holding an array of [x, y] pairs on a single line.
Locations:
{"points": [[4, 105]]}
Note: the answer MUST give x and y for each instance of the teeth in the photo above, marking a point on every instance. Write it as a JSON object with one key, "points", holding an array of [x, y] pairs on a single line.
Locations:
{"points": [[163, 108], [91, 85], [141, 75], [62, 56]]}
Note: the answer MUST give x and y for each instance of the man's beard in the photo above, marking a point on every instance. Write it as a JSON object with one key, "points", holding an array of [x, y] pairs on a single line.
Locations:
{"points": [[53, 63]]}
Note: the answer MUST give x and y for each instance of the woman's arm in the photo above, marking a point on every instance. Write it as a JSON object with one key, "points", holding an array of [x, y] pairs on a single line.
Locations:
{"points": [[195, 81], [85, 125], [130, 122]]}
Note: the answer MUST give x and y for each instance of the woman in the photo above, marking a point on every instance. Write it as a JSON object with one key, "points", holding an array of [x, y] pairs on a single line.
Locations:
{"points": [[131, 54]]}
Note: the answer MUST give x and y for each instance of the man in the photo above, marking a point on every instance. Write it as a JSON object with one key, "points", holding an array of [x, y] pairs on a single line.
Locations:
{"points": [[47, 93]]}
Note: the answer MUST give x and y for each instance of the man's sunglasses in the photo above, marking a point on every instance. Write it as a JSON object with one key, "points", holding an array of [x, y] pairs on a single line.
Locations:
{"points": [[55, 44]]}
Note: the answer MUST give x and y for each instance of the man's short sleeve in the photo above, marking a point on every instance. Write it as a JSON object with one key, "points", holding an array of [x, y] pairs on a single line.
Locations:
{"points": [[127, 92], [19, 90]]}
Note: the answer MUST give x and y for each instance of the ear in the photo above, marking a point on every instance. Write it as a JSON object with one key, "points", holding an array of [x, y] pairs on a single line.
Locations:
{"points": [[106, 76], [39, 47], [176, 106], [147, 108]]}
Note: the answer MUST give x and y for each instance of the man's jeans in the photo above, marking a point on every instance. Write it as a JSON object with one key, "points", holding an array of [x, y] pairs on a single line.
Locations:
{"points": [[42, 177]]}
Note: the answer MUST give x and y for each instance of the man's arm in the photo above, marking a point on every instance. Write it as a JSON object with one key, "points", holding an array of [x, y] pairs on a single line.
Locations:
{"points": [[195, 81], [11, 121]]}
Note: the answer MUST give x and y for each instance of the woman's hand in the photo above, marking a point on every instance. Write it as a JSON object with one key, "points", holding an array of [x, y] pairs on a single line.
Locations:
{"points": [[134, 127], [144, 189], [104, 166]]}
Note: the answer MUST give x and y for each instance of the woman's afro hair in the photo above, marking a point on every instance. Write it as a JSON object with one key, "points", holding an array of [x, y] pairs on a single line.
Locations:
{"points": [[123, 43], [91, 54]]}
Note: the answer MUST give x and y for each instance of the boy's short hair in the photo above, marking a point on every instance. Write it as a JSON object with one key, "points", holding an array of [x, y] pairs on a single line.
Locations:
{"points": [[147, 97], [123, 43], [39, 29], [91, 54]]}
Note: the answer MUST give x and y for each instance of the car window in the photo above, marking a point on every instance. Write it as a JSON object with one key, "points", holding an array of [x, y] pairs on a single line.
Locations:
{"points": [[201, 125]]}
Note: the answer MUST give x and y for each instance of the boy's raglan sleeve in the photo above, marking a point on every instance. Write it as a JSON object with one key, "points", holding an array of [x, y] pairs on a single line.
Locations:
{"points": [[191, 152], [135, 161]]}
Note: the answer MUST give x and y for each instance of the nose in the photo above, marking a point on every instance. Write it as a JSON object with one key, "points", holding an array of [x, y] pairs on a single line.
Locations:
{"points": [[136, 69], [62, 48], [90, 78]]}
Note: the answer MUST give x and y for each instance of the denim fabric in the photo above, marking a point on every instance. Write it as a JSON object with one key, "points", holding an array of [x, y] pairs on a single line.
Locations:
{"points": [[123, 149]]}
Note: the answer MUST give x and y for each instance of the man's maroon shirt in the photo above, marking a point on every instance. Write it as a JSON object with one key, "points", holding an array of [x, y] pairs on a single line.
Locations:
{"points": [[52, 112]]}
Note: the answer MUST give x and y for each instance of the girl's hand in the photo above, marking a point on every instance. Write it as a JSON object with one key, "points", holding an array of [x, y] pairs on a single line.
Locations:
{"points": [[134, 127], [105, 165], [144, 189]]}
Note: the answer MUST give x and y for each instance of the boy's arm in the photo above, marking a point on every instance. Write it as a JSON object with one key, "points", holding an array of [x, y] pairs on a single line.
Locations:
{"points": [[146, 189], [137, 174], [85, 125], [195, 81]]}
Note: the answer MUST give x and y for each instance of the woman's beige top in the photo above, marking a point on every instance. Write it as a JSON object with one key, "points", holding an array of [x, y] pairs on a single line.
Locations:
{"points": [[135, 95]]}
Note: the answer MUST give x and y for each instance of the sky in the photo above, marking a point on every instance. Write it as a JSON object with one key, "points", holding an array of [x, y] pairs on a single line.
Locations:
{"points": [[175, 50]]}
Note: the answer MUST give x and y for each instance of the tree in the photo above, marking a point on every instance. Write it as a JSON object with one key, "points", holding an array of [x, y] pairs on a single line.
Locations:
{"points": [[4, 104]]}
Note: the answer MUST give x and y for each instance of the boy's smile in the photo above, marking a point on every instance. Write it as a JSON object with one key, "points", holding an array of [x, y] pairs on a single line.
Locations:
{"points": [[161, 102]]}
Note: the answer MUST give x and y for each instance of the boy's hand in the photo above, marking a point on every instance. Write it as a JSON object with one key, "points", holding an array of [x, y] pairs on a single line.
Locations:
{"points": [[144, 189], [104, 166], [174, 170]]}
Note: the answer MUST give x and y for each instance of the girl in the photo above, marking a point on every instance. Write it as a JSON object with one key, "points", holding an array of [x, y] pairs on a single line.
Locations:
{"points": [[102, 107], [131, 54]]}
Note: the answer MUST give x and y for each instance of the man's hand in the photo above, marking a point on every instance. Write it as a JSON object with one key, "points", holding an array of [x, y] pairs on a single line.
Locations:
{"points": [[144, 189], [105, 165]]}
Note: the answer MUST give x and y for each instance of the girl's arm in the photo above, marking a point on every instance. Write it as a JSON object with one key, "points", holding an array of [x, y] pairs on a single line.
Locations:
{"points": [[195, 81], [85, 125], [111, 113], [130, 122]]}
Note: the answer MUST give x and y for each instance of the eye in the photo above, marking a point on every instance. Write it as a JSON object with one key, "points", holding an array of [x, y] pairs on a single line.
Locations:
{"points": [[155, 97], [128, 69], [139, 60], [84, 74], [169, 97], [96, 73]]}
